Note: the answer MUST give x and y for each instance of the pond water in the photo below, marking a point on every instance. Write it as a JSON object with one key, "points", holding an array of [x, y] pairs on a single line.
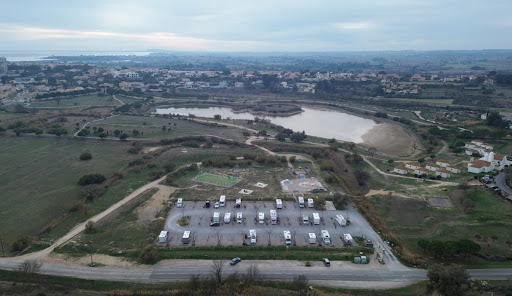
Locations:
{"points": [[315, 122]]}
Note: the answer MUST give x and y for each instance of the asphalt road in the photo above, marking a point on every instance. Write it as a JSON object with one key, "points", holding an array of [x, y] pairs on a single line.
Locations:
{"points": [[500, 182]]}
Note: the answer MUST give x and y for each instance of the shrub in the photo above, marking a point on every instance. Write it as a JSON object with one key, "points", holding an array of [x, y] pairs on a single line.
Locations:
{"points": [[21, 243], [90, 227], [149, 255], [91, 179], [86, 156]]}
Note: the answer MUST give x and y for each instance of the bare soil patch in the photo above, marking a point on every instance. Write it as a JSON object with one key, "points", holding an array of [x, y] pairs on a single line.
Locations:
{"points": [[439, 202], [151, 149], [153, 206], [391, 139], [100, 259]]}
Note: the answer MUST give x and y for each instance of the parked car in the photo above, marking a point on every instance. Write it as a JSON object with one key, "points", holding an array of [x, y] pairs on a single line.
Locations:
{"points": [[215, 224], [326, 262], [234, 261], [216, 204], [207, 203]]}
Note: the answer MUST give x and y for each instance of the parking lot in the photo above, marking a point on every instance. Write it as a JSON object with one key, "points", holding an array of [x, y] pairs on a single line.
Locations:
{"points": [[289, 218]]}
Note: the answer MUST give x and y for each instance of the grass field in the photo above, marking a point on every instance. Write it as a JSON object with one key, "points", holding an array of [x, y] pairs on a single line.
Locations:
{"points": [[427, 101], [75, 103], [38, 179], [414, 219], [225, 181], [7, 116], [151, 127]]}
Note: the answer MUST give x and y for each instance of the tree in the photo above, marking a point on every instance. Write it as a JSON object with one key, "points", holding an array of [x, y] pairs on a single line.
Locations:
{"points": [[123, 137], [423, 244], [164, 128], [216, 271], [293, 159], [498, 134], [300, 283], [90, 227], [29, 269], [91, 179], [217, 116], [117, 133], [362, 176], [372, 151], [102, 135], [463, 186], [135, 132], [494, 119], [421, 160], [450, 280], [86, 156]]}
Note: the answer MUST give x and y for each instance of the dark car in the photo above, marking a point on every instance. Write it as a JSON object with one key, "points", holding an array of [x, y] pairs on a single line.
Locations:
{"points": [[326, 262], [234, 261], [207, 204], [215, 224]]}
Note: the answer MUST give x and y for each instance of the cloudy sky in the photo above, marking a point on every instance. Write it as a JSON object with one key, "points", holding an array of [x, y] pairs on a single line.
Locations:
{"points": [[263, 25]]}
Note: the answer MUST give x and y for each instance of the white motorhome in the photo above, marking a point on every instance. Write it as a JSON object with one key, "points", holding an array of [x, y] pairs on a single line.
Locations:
{"points": [[239, 217], [325, 237], [227, 218], [252, 235], [162, 238], [279, 204], [287, 237], [305, 219], [186, 237], [311, 204], [301, 201], [261, 218], [179, 204], [222, 201], [273, 217], [316, 219], [238, 202], [347, 238], [216, 217], [341, 220], [312, 238]]}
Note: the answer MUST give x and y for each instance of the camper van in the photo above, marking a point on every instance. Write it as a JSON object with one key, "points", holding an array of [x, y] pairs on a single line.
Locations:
{"points": [[239, 217], [261, 218], [279, 204], [311, 204], [179, 204], [186, 237], [273, 217], [222, 201], [227, 218], [312, 238], [316, 219], [252, 235], [347, 238], [216, 217], [305, 219], [238, 202], [301, 201], [162, 238], [325, 237], [341, 220], [287, 237]]}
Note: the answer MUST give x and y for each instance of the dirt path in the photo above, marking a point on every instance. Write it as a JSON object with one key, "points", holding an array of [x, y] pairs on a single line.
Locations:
{"points": [[227, 124], [81, 227]]}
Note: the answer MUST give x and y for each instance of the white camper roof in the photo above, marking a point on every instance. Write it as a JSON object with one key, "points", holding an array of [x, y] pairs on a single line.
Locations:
{"points": [[287, 234], [273, 213], [325, 233], [279, 201], [163, 233], [216, 214], [222, 197], [316, 216], [312, 235], [261, 215], [301, 198], [186, 234], [239, 215]]}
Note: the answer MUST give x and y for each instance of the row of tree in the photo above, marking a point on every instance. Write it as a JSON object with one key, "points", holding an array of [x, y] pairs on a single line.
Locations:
{"points": [[438, 248]]}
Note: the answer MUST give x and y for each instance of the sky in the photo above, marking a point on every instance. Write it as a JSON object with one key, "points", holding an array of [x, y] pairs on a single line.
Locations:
{"points": [[255, 26]]}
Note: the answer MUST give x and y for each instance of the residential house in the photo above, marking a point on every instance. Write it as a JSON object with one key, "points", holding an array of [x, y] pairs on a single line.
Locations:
{"points": [[443, 163], [443, 173], [400, 170], [412, 165], [480, 166], [420, 171], [432, 167], [453, 169]]}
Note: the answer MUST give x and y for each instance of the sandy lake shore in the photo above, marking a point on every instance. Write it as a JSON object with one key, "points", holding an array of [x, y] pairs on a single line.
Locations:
{"points": [[390, 139]]}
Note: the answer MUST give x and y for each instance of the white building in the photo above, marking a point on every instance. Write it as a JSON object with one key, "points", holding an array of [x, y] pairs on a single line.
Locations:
{"points": [[453, 169], [432, 167], [400, 170], [443, 173], [412, 165], [442, 163], [480, 166], [421, 171]]}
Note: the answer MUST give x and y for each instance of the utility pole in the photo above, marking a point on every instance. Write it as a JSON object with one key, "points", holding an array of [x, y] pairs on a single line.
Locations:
{"points": [[2, 244]]}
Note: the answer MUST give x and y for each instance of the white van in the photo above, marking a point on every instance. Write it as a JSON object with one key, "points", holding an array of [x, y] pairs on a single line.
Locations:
{"points": [[186, 237], [273, 217], [347, 238], [252, 235], [316, 219], [305, 219], [238, 202], [222, 201], [239, 217], [287, 237], [341, 220], [227, 218], [325, 237], [279, 204], [162, 238], [312, 238], [216, 217], [301, 201], [261, 218], [179, 204], [311, 204]]}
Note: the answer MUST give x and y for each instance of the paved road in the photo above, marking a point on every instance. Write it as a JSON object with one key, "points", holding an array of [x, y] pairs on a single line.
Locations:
{"points": [[500, 182]]}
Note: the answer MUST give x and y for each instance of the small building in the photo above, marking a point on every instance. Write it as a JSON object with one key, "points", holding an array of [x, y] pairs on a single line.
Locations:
{"points": [[162, 238], [471, 151], [480, 166], [487, 146], [453, 169], [442, 163], [312, 238], [421, 172], [400, 170], [499, 160], [470, 145], [477, 142], [432, 167], [412, 165], [443, 173]]}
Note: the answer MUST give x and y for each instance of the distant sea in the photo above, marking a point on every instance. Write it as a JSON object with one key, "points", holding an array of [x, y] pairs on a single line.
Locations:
{"points": [[30, 56]]}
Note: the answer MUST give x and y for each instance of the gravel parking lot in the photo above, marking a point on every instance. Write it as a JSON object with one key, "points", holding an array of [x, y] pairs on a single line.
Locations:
{"points": [[289, 218]]}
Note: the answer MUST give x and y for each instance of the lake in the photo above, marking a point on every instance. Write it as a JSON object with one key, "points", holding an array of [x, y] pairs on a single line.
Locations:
{"points": [[315, 122]]}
